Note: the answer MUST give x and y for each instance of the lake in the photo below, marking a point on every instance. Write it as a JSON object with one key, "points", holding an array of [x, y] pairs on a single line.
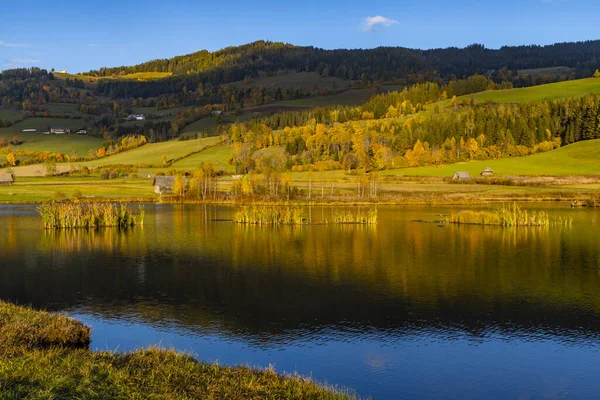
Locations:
{"points": [[402, 309]]}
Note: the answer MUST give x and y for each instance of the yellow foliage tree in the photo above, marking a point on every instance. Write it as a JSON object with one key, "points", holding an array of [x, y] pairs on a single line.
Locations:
{"points": [[179, 186], [11, 159]]}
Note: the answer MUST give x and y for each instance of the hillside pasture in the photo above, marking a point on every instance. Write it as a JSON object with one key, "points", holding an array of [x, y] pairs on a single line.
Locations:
{"points": [[10, 115], [151, 153], [551, 91], [581, 158], [218, 156], [60, 108], [37, 141]]}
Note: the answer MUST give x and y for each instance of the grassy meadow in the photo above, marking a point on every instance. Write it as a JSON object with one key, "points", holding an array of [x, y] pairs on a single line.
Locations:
{"points": [[36, 189], [551, 91], [219, 156], [10, 115], [151, 153], [581, 158], [47, 356], [37, 141]]}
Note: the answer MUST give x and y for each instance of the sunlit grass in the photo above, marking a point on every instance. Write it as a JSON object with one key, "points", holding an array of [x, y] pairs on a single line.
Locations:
{"points": [[511, 215], [82, 215], [355, 216], [46, 356], [269, 215]]}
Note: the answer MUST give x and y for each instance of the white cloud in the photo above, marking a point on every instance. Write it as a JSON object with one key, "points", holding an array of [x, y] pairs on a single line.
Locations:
{"points": [[2, 43], [376, 22]]}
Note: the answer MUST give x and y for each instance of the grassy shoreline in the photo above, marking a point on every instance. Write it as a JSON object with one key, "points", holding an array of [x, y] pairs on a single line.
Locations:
{"points": [[345, 202], [45, 355]]}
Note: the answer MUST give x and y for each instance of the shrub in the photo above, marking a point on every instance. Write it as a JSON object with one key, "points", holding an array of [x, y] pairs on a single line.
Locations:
{"points": [[76, 195], [113, 175], [104, 174], [59, 196]]}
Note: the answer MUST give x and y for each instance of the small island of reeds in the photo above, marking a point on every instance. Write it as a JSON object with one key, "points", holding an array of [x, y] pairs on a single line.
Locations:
{"points": [[508, 216], [88, 215], [278, 215], [47, 356]]}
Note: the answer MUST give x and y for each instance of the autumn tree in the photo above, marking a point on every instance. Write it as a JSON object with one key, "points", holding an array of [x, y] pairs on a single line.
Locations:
{"points": [[597, 74], [11, 159], [179, 186]]}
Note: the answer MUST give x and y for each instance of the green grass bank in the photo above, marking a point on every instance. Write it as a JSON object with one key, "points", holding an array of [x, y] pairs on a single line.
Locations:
{"points": [[47, 356]]}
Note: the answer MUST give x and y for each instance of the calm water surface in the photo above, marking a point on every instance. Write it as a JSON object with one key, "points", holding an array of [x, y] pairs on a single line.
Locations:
{"points": [[403, 309]]}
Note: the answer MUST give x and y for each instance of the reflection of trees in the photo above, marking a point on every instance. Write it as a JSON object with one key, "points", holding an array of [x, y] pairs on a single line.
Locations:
{"points": [[187, 269]]}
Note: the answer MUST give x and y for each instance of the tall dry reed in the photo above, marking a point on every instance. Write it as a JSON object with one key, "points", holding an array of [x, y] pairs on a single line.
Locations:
{"points": [[82, 215]]}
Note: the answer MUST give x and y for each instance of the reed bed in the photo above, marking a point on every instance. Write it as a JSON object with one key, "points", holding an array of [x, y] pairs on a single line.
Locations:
{"points": [[88, 215], [269, 215], [360, 217], [507, 216]]}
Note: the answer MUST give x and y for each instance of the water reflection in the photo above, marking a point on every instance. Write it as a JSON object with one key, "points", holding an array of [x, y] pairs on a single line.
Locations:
{"points": [[189, 270]]}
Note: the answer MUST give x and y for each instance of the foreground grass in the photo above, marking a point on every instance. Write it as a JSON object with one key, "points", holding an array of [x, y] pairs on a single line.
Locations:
{"points": [[46, 356]]}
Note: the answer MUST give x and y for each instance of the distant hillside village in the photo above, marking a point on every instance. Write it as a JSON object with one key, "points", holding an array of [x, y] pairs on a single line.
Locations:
{"points": [[56, 130]]}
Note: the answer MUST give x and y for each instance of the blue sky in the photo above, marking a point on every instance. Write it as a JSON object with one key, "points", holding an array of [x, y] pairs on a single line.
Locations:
{"points": [[83, 35]]}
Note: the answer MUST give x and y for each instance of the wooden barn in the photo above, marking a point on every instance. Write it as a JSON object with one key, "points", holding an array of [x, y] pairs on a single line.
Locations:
{"points": [[6, 179], [164, 184], [461, 175], [487, 172]]}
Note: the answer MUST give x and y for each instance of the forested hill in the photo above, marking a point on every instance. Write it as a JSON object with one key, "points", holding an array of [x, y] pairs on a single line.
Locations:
{"points": [[382, 63]]}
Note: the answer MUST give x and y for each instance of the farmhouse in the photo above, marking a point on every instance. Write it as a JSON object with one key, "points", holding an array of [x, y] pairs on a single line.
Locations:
{"points": [[55, 130], [487, 172], [164, 184], [6, 179], [461, 175], [137, 117]]}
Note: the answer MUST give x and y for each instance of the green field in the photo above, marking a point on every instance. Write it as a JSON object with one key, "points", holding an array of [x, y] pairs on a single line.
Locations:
{"points": [[581, 158], [42, 189], [551, 91], [10, 114], [151, 153], [219, 156], [60, 108], [67, 144]]}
